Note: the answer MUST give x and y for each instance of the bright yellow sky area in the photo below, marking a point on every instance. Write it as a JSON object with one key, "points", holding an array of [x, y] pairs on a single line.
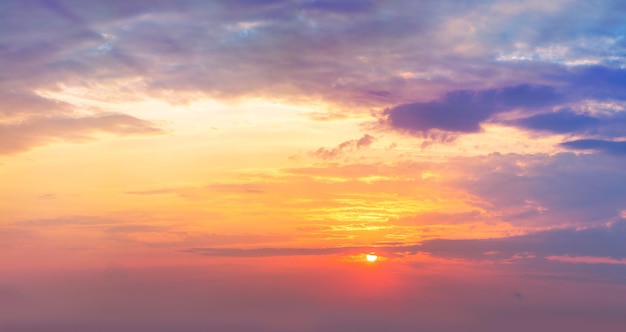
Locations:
{"points": [[240, 172]]}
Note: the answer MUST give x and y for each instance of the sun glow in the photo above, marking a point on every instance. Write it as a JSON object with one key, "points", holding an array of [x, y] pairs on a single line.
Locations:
{"points": [[371, 257]]}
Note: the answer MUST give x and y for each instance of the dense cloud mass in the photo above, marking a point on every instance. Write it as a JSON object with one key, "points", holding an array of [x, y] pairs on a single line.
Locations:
{"points": [[432, 65], [463, 111], [180, 42]]}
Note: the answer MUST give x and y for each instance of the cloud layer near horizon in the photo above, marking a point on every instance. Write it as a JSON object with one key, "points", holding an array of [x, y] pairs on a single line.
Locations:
{"points": [[602, 241]]}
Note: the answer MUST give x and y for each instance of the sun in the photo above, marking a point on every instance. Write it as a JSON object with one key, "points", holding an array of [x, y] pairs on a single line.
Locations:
{"points": [[371, 257]]}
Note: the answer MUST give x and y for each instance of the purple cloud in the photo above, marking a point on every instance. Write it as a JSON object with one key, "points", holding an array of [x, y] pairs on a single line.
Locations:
{"points": [[611, 147], [607, 240], [548, 190], [563, 121], [599, 241], [463, 111]]}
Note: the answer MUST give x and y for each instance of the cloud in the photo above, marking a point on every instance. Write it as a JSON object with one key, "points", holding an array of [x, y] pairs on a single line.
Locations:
{"points": [[535, 190], [562, 121], [527, 191], [67, 221], [343, 148], [439, 218], [11, 236], [129, 229], [339, 51], [353, 53], [597, 241], [25, 135], [595, 132], [597, 82], [214, 53], [47, 196], [464, 110], [203, 192], [348, 6], [586, 259], [611, 147], [19, 103], [272, 252], [606, 242]]}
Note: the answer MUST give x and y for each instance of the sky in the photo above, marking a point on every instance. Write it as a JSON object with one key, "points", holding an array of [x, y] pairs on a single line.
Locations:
{"points": [[227, 165]]}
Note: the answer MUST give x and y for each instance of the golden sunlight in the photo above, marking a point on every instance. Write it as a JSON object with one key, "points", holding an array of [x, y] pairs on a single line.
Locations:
{"points": [[371, 257]]}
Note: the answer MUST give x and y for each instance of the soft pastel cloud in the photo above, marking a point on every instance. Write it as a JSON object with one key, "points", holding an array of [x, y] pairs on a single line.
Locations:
{"points": [[27, 134], [548, 190], [343, 148]]}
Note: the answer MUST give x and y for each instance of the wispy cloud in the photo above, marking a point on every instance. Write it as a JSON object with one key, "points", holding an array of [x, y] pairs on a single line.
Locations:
{"points": [[343, 148], [610, 147], [604, 244], [597, 241], [22, 136]]}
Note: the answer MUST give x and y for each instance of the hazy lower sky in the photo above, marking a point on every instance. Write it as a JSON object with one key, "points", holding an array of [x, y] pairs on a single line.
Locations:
{"points": [[226, 165]]}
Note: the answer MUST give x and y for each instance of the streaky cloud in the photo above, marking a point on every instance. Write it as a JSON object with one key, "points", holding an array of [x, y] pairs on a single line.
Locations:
{"points": [[25, 135], [617, 148], [345, 147], [274, 252], [563, 121], [608, 240], [596, 241]]}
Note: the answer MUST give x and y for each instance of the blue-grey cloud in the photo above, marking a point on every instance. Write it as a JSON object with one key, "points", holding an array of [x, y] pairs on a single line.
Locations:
{"points": [[464, 111], [548, 190], [597, 241], [598, 130], [563, 121], [349, 6], [607, 240], [610, 147], [347, 51], [597, 82]]}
